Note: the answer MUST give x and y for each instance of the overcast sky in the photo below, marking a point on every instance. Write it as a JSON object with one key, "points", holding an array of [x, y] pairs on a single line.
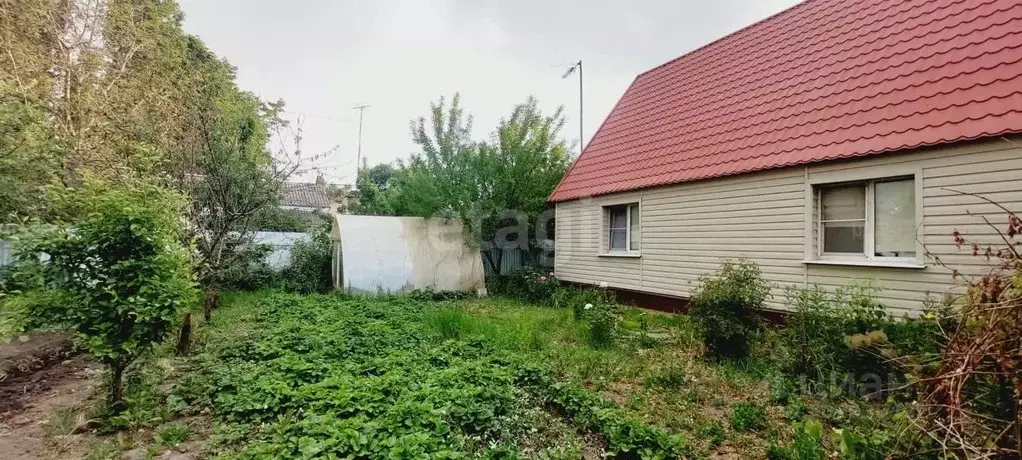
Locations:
{"points": [[322, 57]]}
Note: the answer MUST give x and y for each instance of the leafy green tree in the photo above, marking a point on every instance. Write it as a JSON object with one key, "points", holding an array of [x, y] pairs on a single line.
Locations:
{"points": [[521, 165], [117, 272], [30, 155], [380, 191], [492, 186]]}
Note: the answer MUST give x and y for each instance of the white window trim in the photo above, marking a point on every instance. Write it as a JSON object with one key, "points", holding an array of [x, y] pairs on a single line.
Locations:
{"points": [[870, 175], [605, 250]]}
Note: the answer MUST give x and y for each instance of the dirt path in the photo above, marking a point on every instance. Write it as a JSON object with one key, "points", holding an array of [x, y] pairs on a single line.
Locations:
{"points": [[37, 386]]}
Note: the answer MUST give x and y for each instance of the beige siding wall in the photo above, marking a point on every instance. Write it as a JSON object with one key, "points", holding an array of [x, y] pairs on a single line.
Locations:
{"points": [[686, 229]]}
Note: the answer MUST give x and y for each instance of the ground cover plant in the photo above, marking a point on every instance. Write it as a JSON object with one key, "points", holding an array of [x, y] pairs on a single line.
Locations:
{"points": [[293, 376]]}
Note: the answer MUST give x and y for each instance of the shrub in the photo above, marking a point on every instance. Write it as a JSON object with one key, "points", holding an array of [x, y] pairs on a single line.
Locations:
{"points": [[974, 399], [723, 308], [120, 273], [248, 270], [602, 320], [832, 334], [748, 416], [309, 271], [530, 284]]}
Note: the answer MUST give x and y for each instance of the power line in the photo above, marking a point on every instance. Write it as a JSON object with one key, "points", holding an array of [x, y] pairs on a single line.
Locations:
{"points": [[323, 117]]}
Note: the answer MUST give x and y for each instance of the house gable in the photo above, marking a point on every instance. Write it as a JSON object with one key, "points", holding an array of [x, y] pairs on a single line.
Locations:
{"points": [[824, 80]]}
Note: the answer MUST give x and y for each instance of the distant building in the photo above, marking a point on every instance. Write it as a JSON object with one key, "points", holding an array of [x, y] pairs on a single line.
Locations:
{"points": [[305, 199]]}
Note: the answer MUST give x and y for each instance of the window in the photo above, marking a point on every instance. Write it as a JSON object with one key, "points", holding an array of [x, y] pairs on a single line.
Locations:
{"points": [[873, 219], [622, 227]]}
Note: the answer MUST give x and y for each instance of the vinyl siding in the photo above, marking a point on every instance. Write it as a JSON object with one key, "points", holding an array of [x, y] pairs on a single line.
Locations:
{"points": [[687, 229]]}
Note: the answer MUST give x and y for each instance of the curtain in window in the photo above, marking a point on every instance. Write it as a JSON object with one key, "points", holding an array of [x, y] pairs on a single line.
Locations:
{"points": [[895, 218], [633, 231], [618, 228], [844, 218]]}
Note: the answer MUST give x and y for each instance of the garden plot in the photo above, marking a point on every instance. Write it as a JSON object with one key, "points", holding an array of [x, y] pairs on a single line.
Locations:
{"points": [[288, 376]]}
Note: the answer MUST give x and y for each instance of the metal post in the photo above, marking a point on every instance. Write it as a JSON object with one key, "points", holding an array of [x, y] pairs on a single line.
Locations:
{"points": [[581, 142], [358, 158], [578, 65]]}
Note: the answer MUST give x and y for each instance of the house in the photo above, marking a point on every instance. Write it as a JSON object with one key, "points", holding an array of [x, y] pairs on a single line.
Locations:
{"points": [[832, 143], [300, 196]]}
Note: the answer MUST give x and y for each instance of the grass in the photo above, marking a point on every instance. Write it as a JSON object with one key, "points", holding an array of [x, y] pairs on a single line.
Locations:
{"points": [[172, 434], [398, 377], [286, 375]]}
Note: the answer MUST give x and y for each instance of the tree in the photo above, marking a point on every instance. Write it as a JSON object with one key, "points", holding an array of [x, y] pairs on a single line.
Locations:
{"points": [[523, 162], [380, 190], [126, 93], [117, 272], [492, 186], [30, 155]]}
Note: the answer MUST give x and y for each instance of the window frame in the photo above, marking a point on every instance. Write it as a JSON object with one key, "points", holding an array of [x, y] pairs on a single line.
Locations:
{"points": [[605, 249], [867, 177]]}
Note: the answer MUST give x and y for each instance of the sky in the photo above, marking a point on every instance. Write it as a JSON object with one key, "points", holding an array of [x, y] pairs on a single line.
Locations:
{"points": [[323, 57]]}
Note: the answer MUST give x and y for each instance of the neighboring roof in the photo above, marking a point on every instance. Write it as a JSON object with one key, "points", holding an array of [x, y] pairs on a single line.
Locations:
{"points": [[305, 195], [826, 79]]}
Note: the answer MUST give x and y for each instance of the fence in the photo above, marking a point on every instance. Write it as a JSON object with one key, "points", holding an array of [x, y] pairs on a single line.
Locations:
{"points": [[280, 244], [513, 259]]}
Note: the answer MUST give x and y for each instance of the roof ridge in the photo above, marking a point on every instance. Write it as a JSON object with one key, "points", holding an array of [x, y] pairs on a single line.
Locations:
{"points": [[807, 70], [823, 80], [721, 39], [759, 113]]}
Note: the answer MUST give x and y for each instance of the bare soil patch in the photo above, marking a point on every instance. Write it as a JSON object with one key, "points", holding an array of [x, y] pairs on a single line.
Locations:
{"points": [[40, 351], [38, 380]]}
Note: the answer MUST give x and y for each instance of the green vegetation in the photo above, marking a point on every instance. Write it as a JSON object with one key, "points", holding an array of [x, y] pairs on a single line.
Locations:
{"points": [[724, 307], [286, 375], [120, 277], [289, 376], [746, 416], [497, 187]]}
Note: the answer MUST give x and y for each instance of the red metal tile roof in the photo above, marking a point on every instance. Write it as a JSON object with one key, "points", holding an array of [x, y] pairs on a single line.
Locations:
{"points": [[823, 80]]}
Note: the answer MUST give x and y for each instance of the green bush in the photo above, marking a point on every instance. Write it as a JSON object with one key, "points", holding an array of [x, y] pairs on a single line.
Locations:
{"points": [[602, 320], [530, 284], [248, 270], [748, 416], [847, 331], [723, 308], [118, 269], [309, 271]]}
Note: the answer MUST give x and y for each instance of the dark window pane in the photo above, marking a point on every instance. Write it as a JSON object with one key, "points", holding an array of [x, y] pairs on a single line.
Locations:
{"points": [[618, 216], [844, 237], [618, 240]]}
